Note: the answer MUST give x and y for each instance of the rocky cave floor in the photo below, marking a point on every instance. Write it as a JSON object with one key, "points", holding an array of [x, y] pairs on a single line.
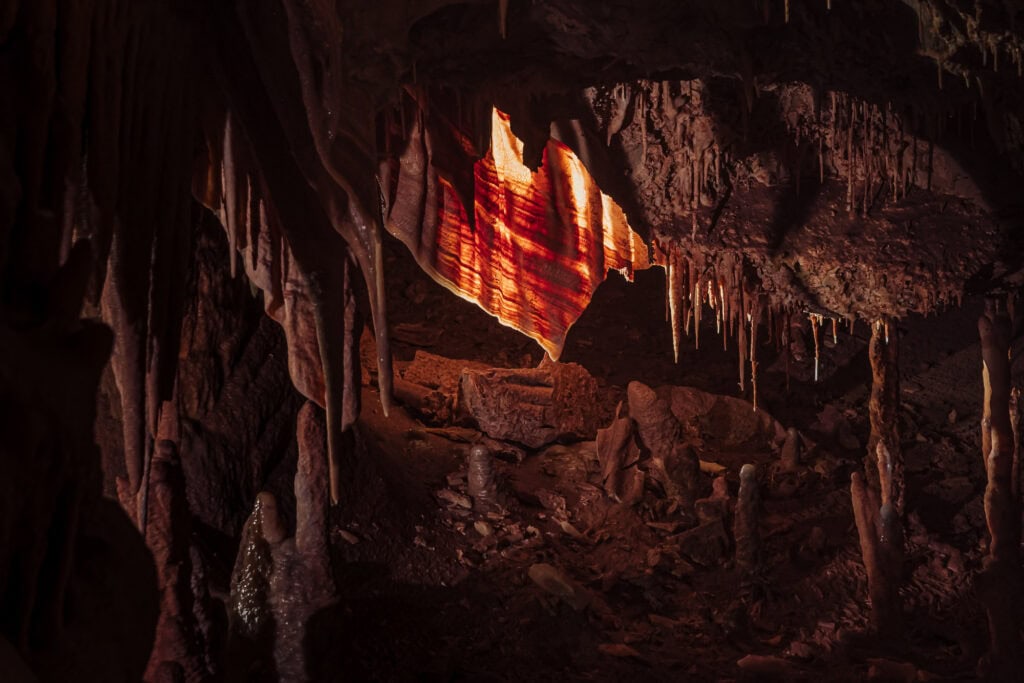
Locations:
{"points": [[431, 590]]}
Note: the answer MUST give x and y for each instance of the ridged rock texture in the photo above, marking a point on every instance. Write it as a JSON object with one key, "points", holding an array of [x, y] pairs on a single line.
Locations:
{"points": [[529, 247], [839, 159]]}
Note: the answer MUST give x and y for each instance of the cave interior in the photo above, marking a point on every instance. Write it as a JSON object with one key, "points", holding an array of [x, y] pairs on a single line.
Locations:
{"points": [[511, 340]]}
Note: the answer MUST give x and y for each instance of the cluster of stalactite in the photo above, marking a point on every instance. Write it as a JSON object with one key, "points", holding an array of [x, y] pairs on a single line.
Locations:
{"points": [[946, 30], [697, 166], [866, 145], [941, 36], [290, 170], [871, 148], [695, 279], [96, 148], [104, 129], [698, 279], [648, 114], [98, 157]]}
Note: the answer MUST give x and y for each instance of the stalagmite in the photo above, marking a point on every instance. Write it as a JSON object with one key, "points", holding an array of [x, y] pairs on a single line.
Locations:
{"points": [[890, 523], [168, 535], [480, 478], [870, 516], [999, 583], [250, 618], [312, 502], [746, 533]]}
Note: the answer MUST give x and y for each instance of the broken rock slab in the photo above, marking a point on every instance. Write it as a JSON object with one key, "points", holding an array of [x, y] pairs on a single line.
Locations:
{"points": [[533, 406], [618, 456], [429, 385], [726, 421], [437, 372]]}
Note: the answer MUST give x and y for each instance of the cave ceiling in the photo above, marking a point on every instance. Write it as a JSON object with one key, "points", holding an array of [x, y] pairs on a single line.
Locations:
{"points": [[861, 159], [844, 159]]}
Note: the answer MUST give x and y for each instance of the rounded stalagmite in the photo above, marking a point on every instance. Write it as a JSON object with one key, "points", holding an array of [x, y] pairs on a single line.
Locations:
{"points": [[482, 488]]}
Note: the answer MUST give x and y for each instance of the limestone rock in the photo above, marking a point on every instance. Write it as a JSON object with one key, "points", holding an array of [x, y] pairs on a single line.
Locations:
{"points": [[534, 407]]}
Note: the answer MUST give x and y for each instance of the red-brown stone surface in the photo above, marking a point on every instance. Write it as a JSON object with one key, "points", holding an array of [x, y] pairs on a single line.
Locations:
{"points": [[533, 406]]}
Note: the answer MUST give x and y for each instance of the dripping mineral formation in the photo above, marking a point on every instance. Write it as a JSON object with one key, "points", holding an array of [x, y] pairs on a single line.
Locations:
{"points": [[514, 339]]}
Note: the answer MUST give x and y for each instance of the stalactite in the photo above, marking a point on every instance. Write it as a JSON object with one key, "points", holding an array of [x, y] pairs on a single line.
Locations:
{"points": [[503, 18], [727, 321], [1015, 418], [668, 301], [755, 317], [641, 105], [229, 177], [352, 367], [696, 269], [816, 331], [129, 375], [621, 97], [328, 317], [678, 276], [345, 161], [786, 340], [742, 344]]}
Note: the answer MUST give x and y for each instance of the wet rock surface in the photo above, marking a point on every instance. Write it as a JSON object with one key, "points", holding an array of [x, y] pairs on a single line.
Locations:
{"points": [[194, 259]]}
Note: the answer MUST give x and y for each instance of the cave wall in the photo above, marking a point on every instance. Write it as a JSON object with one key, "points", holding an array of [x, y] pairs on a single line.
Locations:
{"points": [[700, 119]]}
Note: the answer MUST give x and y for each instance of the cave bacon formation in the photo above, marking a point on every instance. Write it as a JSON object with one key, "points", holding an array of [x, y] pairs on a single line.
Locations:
{"points": [[538, 243]]}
